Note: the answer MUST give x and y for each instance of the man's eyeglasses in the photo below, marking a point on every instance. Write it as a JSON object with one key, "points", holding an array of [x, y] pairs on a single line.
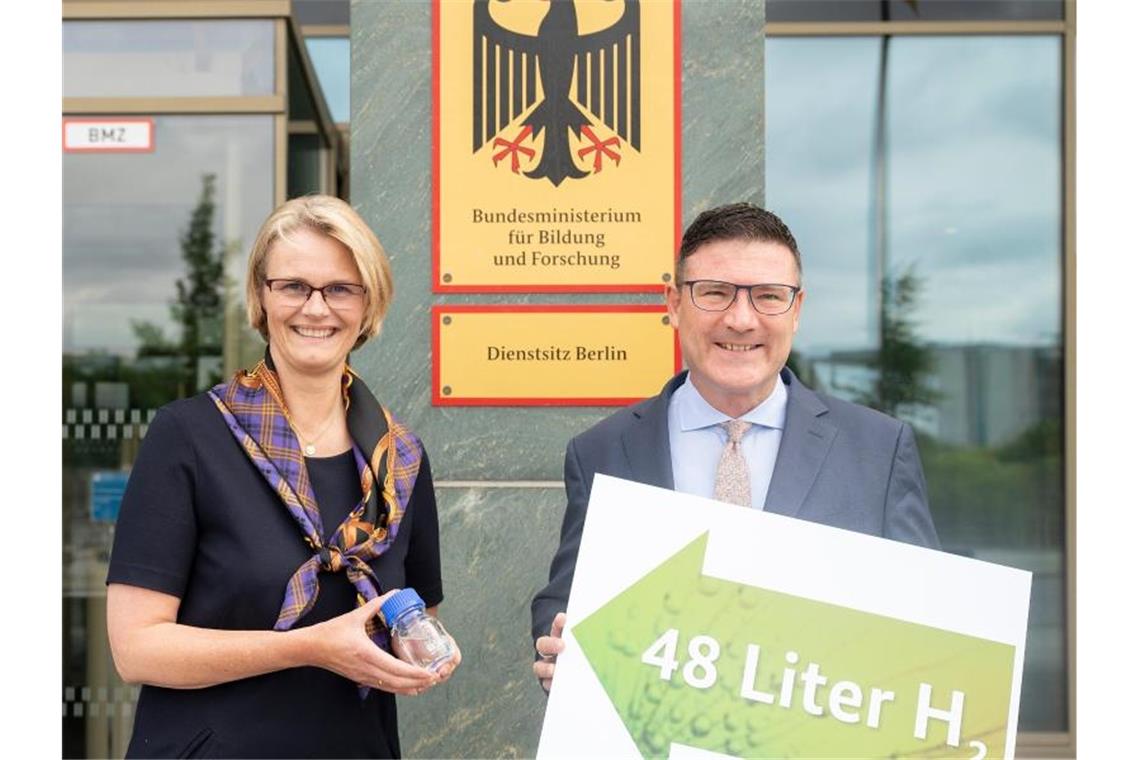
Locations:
{"points": [[338, 295], [766, 298]]}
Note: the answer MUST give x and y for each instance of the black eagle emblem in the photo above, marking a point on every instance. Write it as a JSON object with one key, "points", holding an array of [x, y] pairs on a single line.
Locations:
{"points": [[586, 79]]}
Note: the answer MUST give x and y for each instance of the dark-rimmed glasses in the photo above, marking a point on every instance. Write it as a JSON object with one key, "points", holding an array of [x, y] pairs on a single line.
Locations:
{"points": [[338, 295], [771, 299]]}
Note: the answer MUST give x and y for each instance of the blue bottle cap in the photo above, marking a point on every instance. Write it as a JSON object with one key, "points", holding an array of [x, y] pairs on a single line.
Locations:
{"points": [[400, 602]]}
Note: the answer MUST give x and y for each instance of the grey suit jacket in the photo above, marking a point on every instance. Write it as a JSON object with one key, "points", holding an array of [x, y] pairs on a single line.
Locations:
{"points": [[839, 464]]}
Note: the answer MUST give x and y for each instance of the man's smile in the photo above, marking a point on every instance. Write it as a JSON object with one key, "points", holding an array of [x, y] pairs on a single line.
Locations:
{"points": [[739, 346]]}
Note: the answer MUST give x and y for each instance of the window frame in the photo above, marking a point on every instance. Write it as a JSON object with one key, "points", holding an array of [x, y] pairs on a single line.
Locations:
{"points": [[287, 44], [1031, 743]]}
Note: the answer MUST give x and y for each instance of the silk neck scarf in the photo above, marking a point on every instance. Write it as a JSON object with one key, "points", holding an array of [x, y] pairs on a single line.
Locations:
{"points": [[387, 456]]}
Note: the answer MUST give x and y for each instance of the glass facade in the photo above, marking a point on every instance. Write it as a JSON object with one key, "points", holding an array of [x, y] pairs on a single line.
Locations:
{"points": [[914, 10], [306, 164], [155, 245], [154, 251], [149, 58], [332, 60], [923, 178], [126, 221]]}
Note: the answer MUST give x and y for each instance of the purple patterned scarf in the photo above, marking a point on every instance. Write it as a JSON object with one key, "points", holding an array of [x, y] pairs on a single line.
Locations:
{"points": [[254, 409]]}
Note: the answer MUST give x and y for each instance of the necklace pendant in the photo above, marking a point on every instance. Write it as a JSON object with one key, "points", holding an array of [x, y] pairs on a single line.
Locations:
{"points": [[310, 450]]}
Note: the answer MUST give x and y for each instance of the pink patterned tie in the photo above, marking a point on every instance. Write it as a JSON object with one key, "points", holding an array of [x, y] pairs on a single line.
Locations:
{"points": [[732, 482]]}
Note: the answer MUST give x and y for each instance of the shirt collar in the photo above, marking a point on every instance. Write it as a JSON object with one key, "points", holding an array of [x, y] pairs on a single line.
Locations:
{"points": [[696, 413]]}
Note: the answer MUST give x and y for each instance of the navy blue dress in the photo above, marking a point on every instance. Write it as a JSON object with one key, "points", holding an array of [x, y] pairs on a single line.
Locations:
{"points": [[199, 522]]}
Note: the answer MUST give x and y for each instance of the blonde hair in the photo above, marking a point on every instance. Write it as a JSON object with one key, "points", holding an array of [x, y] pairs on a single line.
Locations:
{"points": [[338, 220]]}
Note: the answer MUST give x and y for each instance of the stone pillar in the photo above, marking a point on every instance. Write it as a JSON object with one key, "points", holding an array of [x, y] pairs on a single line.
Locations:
{"points": [[498, 470]]}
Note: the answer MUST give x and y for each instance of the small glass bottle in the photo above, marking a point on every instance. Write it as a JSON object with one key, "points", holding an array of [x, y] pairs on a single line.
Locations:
{"points": [[417, 637]]}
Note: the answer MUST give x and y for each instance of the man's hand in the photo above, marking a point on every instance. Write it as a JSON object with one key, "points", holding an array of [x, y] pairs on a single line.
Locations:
{"points": [[549, 647]]}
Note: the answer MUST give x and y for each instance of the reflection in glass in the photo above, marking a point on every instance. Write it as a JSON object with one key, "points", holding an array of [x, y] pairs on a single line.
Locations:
{"points": [[330, 57], [306, 165], [914, 10], [930, 224], [302, 98], [188, 58], [153, 266]]}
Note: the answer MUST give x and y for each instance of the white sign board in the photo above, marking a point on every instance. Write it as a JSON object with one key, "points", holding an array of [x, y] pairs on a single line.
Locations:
{"points": [[118, 135], [698, 629]]}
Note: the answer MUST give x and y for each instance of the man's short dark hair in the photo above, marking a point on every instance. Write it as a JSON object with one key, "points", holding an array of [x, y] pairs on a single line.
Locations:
{"points": [[735, 221]]}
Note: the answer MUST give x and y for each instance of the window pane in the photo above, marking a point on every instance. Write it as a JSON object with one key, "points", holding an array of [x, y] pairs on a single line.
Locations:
{"points": [[931, 239], [915, 10], [302, 103], [305, 170], [330, 57], [167, 58], [146, 320]]}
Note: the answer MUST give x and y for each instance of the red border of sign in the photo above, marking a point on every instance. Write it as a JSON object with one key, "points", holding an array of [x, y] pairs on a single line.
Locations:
{"points": [[437, 399], [438, 287], [149, 121]]}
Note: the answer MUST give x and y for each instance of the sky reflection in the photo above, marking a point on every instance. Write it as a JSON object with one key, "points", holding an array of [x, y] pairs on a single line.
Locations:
{"points": [[973, 183]]}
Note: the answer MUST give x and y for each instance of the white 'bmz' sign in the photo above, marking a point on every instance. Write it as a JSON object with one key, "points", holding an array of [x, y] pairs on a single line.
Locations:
{"points": [[116, 135]]}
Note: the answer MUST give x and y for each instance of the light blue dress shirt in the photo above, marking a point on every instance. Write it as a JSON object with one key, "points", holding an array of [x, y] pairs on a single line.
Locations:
{"points": [[696, 440]]}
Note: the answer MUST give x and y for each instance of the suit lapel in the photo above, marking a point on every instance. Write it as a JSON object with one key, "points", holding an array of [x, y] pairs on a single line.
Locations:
{"points": [[807, 438], [646, 441]]}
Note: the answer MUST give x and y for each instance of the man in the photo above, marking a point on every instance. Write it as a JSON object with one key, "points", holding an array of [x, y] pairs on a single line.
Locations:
{"points": [[738, 426]]}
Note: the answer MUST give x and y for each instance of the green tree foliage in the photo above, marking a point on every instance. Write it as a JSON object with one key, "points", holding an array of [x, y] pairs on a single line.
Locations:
{"points": [[801, 370], [198, 305], [1041, 440], [1008, 497], [152, 340], [903, 361], [197, 308]]}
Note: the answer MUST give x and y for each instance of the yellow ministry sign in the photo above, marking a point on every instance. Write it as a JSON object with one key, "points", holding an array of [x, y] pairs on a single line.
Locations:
{"points": [[550, 355], [556, 145]]}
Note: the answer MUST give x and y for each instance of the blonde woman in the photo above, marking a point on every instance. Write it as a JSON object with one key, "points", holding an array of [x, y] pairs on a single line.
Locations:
{"points": [[265, 520]]}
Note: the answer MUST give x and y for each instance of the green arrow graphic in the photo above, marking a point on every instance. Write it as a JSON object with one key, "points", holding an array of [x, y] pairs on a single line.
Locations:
{"points": [[824, 681]]}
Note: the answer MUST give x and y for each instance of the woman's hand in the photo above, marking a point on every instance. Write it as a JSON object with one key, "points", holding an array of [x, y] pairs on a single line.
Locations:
{"points": [[150, 647], [342, 646], [447, 668]]}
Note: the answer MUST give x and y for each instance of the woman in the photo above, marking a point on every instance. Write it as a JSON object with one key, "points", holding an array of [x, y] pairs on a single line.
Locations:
{"points": [[264, 519]]}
